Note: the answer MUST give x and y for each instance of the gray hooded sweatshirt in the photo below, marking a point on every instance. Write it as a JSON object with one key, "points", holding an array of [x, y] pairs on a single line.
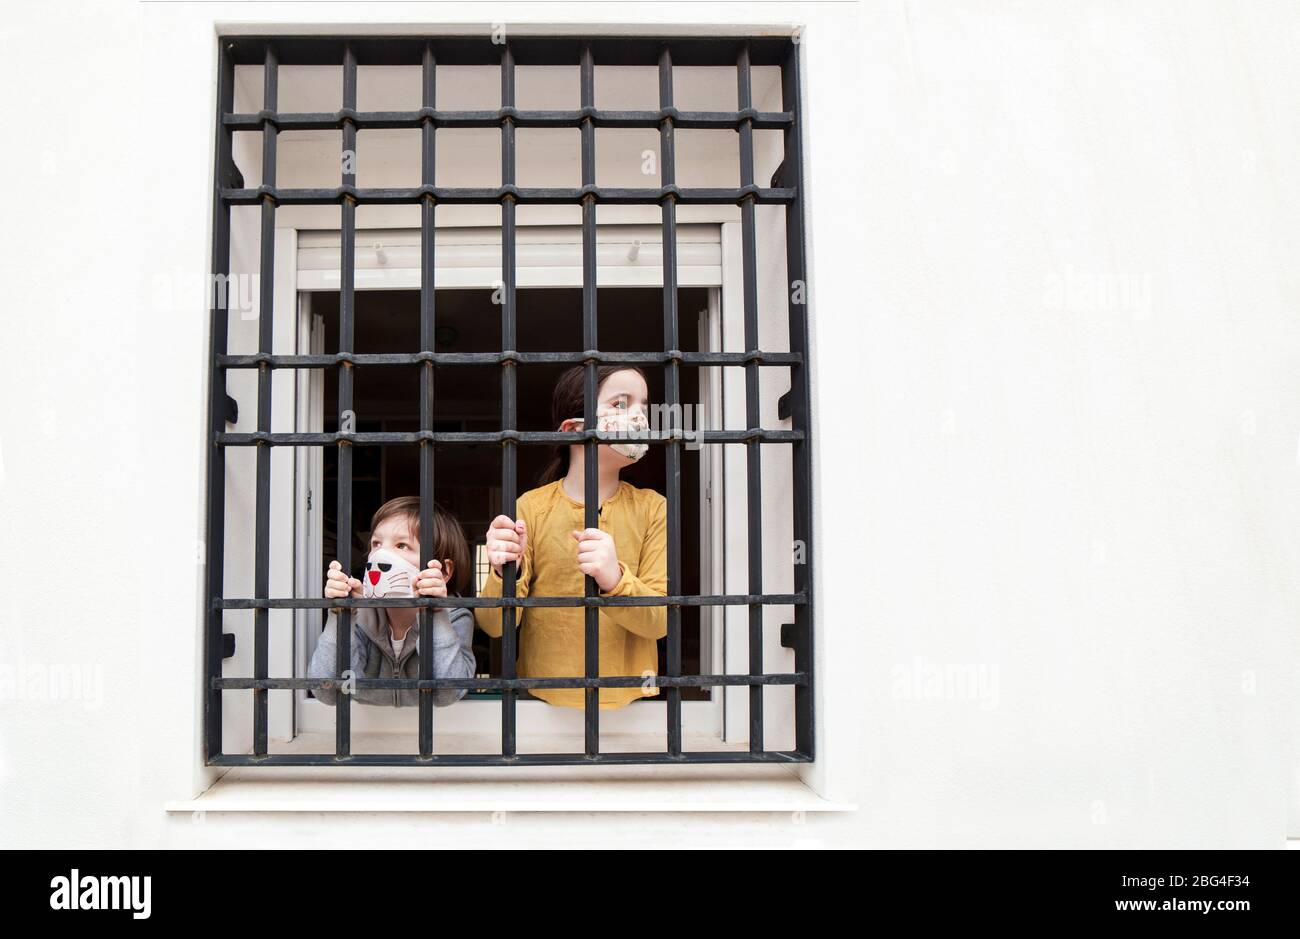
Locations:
{"points": [[372, 656]]}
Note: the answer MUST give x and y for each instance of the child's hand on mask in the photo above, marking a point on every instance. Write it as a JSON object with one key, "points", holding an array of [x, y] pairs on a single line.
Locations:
{"points": [[597, 557], [506, 541], [339, 585], [431, 582]]}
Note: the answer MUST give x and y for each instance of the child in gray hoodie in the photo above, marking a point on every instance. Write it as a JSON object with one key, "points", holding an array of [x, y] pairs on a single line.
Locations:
{"points": [[386, 643]]}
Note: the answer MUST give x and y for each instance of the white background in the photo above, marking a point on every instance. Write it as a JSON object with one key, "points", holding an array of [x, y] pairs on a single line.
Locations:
{"points": [[1089, 495]]}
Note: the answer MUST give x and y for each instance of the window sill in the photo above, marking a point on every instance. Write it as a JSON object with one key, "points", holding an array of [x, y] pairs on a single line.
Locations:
{"points": [[687, 788]]}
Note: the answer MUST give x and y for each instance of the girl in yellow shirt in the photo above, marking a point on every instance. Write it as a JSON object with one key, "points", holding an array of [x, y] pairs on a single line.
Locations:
{"points": [[626, 553]]}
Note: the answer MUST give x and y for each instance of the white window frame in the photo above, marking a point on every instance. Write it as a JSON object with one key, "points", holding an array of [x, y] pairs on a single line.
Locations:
{"points": [[628, 255]]}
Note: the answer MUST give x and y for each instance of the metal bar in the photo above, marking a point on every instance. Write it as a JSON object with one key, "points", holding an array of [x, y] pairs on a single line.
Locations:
{"points": [[265, 339], [522, 759], [521, 195], [497, 684], [347, 310], [753, 455], [801, 408], [377, 438], [509, 390], [673, 396], [590, 458], [759, 357], [412, 120], [309, 603], [479, 49], [427, 287], [215, 535]]}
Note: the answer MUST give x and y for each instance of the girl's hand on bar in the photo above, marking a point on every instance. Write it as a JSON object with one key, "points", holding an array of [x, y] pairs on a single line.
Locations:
{"points": [[430, 581], [506, 540], [597, 557], [339, 585]]}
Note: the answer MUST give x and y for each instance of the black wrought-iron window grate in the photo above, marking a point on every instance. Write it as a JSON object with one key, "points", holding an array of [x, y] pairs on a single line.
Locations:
{"points": [[785, 189]]}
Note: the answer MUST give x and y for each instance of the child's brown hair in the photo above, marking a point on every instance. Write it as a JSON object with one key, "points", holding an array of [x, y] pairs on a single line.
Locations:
{"points": [[448, 538]]}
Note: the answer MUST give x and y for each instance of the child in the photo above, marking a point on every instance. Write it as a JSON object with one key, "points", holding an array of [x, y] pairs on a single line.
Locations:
{"points": [[625, 553], [386, 642]]}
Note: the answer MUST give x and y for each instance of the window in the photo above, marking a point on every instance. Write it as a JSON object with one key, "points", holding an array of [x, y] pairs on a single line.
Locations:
{"points": [[342, 459]]}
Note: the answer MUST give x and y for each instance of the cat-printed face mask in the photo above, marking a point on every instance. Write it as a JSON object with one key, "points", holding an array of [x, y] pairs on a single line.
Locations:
{"points": [[388, 574], [632, 425]]}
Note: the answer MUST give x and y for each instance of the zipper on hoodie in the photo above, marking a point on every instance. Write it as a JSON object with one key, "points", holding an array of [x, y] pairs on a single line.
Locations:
{"points": [[397, 668]]}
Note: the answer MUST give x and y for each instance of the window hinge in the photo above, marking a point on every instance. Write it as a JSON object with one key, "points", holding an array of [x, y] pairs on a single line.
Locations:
{"points": [[232, 410], [795, 636], [783, 406], [227, 645]]}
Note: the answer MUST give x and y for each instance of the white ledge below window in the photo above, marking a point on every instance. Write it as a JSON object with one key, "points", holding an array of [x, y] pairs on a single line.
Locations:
{"points": [[742, 787]]}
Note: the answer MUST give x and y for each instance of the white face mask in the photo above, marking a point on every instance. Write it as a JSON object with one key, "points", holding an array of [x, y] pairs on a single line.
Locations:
{"points": [[623, 423], [388, 574]]}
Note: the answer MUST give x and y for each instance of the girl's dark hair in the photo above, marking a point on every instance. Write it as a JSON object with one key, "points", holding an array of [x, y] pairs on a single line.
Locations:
{"points": [[567, 402], [448, 538]]}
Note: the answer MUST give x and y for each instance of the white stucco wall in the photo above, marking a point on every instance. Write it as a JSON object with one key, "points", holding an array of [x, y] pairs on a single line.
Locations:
{"points": [[1084, 495]]}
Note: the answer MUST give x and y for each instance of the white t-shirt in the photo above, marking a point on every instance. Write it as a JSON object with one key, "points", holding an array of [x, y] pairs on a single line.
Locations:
{"points": [[398, 644]]}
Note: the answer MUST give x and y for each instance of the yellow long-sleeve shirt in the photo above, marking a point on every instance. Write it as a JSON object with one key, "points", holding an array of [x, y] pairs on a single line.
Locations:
{"points": [[552, 639]]}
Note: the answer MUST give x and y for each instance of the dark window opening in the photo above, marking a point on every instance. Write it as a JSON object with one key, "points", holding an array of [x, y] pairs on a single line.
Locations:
{"points": [[469, 400]]}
